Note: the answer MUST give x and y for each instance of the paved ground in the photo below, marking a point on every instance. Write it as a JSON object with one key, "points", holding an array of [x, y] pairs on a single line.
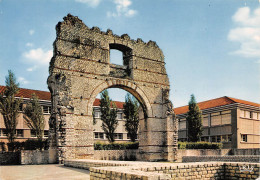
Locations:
{"points": [[49, 172]]}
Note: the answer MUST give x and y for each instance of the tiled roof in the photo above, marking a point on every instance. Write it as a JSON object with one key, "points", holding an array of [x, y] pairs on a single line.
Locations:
{"points": [[119, 104], [44, 95], [27, 93], [214, 103]]}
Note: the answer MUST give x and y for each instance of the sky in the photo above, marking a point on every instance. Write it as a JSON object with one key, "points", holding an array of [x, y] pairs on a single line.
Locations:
{"points": [[211, 48]]}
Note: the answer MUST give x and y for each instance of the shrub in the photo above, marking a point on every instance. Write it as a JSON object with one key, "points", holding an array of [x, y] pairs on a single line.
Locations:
{"points": [[35, 144], [116, 146], [15, 146], [199, 145]]}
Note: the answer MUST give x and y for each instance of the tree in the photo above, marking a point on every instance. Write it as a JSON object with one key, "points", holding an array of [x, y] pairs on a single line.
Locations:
{"points": [[33, 116], [194, 121], [9, 105], [131, 107], [108, 116]]}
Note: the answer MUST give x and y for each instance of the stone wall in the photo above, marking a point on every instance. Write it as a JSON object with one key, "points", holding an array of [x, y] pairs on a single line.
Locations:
{"points": [[232, 158], [125, 155], [187, 154], [34, 157], [201, 152], [9, 158], [148, 170], [255, 151]]}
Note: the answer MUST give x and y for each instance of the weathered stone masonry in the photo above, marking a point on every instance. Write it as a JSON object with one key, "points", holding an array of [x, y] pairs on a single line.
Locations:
{"points": [[80, 69]]}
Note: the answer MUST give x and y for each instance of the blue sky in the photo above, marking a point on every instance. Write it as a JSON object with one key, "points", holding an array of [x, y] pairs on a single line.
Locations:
{"points": [[211, 48]]}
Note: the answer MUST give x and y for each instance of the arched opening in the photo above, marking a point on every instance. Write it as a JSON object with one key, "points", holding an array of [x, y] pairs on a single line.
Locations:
{"points": [[121, 134]]}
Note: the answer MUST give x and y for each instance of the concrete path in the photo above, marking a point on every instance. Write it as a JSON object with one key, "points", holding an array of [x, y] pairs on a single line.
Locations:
{"points": [[49, 172]]}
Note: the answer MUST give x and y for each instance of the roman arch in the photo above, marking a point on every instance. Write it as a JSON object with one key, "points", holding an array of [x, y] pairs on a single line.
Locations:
{"points": [[80, 69]]}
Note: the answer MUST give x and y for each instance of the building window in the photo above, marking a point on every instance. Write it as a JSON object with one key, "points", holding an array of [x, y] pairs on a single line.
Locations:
{"points": [[21, 107], [255, 115], [218, 138], [213, 139], [226, 118], [4, 132], [19, 132], [46, 109], [99, 135], [224, 138], [118, 135], [229, 138], [242, 113], [119, 115], [46, 133], [182, 124], [244, 137], [96, 135], [251, 115], [205, 120], [215, 120], [33, 133], [247, 114], [97, 114]]}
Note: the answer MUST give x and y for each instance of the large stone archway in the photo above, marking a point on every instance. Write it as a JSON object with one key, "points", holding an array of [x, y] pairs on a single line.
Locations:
{"points": [[81, 68]]}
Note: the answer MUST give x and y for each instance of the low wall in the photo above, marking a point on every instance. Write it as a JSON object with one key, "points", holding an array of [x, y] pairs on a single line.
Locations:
{"points": [[133, 154], [9, 158], [232, 158], [151, 170], [121, 155], [34, 157], [201, 152], [246, 151]]}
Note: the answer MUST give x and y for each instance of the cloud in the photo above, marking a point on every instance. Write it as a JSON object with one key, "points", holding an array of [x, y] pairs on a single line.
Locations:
{"points": [[91, 3], [246, 32], [29, 44], [31, 32], [22, 80], [122, 9], [37, 58]]}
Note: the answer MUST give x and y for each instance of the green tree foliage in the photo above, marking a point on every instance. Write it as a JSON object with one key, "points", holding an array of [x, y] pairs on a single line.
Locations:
{"points": [[9, 105], [131, 107], [194, 121], [108, 116], [33, 116]]}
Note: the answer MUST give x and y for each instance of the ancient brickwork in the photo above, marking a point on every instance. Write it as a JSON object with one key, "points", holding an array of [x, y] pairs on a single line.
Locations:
{"points": [[80, 69], [151, 170]]}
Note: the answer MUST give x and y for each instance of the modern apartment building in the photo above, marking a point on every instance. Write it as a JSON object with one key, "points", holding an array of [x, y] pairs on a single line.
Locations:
{"points": [[24, 132], [234, 122]]}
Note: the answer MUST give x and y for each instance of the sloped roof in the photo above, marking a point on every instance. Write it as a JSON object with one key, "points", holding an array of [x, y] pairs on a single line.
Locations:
{"points": [[27, 93], [44, 95], [118, 103], [215, 103]]}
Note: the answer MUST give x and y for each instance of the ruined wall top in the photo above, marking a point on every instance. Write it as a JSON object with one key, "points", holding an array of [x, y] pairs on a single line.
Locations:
{"points": [[82, 33]]}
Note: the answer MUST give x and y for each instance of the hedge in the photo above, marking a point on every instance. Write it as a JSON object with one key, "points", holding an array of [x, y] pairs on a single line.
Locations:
{"points": [[116, 146], [27, 145], [199, 145]]}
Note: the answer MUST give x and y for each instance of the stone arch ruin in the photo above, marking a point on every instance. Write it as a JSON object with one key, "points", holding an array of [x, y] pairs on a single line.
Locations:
{"points": [[80, 69]]}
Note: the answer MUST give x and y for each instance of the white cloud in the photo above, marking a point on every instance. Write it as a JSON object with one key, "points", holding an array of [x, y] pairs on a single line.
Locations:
{"points": [[122, 9], [29, 44], [247, 32], [31, 32], [91, 3], [37, 58], [22, 80]]}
